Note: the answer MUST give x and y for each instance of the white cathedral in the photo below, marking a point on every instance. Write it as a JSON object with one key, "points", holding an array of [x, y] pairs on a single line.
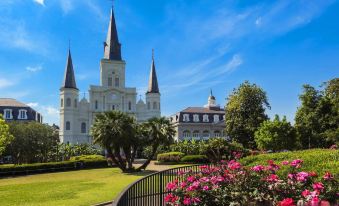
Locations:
{"points": [[77, 116]]}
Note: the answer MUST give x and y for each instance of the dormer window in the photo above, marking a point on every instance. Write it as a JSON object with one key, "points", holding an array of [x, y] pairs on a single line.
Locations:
{"points": [[216, 118], [205, 118], [196, 118], [8, 114], [22, 114], [186, 118]]}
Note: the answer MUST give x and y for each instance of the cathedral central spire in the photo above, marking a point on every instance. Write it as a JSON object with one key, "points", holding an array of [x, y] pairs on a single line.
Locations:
{"points": [[112, 47]]}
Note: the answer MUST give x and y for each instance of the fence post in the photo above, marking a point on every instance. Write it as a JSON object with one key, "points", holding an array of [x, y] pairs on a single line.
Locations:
{"points": [[161, 188]]}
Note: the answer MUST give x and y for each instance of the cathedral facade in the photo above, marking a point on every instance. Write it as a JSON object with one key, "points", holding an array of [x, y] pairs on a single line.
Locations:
{"points": [[77, 116]]}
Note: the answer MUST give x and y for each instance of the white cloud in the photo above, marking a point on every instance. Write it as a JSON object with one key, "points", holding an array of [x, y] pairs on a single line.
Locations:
{"points": [[66, 5], [34, 69], [5, 83], [50, 113], [33, 104], [258, 21], [41, 2]]}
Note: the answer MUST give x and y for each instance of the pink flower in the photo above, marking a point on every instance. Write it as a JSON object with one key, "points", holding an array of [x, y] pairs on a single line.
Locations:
{"points": [[204, 179], [285, 162], [272, 178], [171, 186], [171, 198], [187, 201], [233, 165], [318, 186], [302, 176], [328, 176], [191, 178], [183, 184], [297, 163], [195, 200], [290, 176], [258, 168], [205, 188], [315, 201], [287, 202], [305, 193]]}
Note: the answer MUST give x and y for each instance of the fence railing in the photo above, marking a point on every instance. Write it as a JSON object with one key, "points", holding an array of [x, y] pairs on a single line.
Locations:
{"points": [[150, 190]]}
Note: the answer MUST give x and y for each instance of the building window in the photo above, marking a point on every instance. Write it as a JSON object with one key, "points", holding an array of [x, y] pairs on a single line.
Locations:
{"points": [[196, 118], [8, 114], [68, 102], [117, 83], [62, 102], [154, 105], [96, 104], [216, 118], [186, 118], [186, 134], [196, 134], [205, 118], [223, 117], [148, 105], [129, 105], [75, 103], [22, 114], [109, 81], [217, 134], [104, 102], [206, 134], [113, 107], [83, 127], [68, 125]]}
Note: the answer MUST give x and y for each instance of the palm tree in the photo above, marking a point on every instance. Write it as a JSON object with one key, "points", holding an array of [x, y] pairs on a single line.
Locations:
{"points": [[159, 131], [115, 131]]}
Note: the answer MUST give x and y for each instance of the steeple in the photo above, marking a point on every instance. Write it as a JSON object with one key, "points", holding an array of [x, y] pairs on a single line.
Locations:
{"points": [[153, 81], [112, 47], [69, 78]]}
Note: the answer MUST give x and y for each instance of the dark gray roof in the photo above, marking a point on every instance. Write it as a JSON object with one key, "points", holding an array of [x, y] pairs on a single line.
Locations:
{"points": [[69, 78], [153, 80], [112, 46]]}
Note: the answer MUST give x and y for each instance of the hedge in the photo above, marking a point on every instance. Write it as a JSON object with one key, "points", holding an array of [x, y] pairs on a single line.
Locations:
{"points": [[170, 157], [195, 159], [75, 163]]}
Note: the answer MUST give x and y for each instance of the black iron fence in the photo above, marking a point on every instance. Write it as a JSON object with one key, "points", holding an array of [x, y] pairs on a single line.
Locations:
{"points": [[150, 190]]}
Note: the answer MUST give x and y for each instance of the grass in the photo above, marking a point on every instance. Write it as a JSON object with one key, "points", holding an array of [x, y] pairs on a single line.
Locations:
{"points": [[317, 160], [83, 187]]}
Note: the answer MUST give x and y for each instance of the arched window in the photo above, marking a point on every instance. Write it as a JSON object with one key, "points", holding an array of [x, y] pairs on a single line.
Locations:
{"points": [[117, 83], [196, 117], [129, 105], [148, 105], [154, 105], [109, 81], [96, 104], [196, 134], [205, 118], [61, 102], [68, 102], [75, 103], [186, 117], [186, 134], [217, 133], [216, 118], [68, 125], [206, 134], [83, 127]]}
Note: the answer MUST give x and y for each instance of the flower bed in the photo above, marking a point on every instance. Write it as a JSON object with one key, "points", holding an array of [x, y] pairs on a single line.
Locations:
{"points": [[229, 183]]}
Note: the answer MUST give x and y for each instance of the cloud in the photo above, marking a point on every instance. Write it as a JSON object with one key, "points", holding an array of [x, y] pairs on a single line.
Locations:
{"points": [[34, 69], [5, 83], [66, 6], [41, 2], [258, 21], [33, 104], [50, 113]]}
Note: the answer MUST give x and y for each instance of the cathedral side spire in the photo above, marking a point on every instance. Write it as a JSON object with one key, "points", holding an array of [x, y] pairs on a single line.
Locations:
{"points": [[69, 77], [153, 81], [112, 47]]}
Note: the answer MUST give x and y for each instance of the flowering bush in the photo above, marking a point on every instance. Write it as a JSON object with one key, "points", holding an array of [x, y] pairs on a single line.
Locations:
{"points": [[229, 183]]}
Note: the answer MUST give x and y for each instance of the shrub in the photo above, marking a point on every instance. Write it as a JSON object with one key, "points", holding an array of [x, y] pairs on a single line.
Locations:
{"points": [[229, 183], [195, 159], [88, 157], [170, 157]]}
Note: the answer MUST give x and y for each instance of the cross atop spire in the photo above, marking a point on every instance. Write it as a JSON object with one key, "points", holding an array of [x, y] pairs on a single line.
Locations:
{"points": [[112, 46]]}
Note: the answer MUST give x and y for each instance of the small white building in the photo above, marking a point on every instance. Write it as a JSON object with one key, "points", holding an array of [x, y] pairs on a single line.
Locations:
{"points": [[77, 116], [200, 123]]}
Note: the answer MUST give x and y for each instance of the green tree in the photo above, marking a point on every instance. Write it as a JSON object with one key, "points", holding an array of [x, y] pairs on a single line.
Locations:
{"points": [[32, 142], [245, 111], [276, 135], [5, 136], [317, 119]]}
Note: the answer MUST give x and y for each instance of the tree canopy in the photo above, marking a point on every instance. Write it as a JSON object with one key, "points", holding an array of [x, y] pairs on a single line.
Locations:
{"points": [[5, 136], [244, 112], [276, 135]]}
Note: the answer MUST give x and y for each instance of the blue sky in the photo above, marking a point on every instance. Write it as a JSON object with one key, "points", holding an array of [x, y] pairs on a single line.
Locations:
{"points": [[199, 44]]}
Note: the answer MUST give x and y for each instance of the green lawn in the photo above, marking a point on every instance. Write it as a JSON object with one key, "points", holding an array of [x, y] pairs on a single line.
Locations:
{"points": [[83, 187]]}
